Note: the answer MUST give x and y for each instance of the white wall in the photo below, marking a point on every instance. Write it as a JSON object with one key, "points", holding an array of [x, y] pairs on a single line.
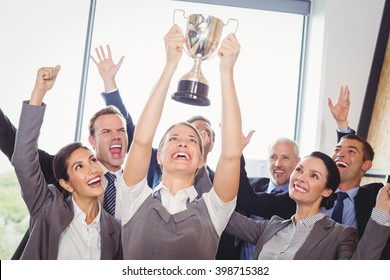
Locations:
{"points": [[342, 39]]}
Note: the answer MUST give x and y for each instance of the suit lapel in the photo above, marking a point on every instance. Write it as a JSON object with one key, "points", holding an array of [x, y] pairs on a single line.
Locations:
{"points": [[275, 225], [107, 242], [317, 234], [59, 221], [202, 182]]}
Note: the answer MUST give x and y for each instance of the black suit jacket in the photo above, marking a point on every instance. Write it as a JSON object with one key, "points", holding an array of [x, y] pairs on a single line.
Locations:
{"points": [[259, 184]]}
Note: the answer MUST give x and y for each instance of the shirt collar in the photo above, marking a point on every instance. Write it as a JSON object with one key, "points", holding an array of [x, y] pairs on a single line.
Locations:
{"points": [[271, 187], [105, 170], [189, 192], [351, 193], [80, 214], [309, 221]]}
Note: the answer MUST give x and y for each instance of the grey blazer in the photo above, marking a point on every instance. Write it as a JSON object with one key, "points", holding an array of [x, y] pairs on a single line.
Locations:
{"points": [[50, 213], [327, 240]]}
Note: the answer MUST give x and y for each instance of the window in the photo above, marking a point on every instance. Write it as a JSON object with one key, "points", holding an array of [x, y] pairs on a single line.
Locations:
{"points": [[35, 34], [266, 73], [45, 33]]}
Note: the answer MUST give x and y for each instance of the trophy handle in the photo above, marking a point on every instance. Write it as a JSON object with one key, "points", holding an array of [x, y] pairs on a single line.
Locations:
{"points": [[174, 14], [174, 22], [230, 19]]}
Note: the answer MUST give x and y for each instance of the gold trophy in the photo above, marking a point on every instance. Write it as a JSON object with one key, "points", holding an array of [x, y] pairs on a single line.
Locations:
{"points": [[201, 41]]}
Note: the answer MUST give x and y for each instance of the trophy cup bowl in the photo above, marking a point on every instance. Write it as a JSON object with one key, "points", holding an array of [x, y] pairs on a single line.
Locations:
{"points": [[201, 41]]}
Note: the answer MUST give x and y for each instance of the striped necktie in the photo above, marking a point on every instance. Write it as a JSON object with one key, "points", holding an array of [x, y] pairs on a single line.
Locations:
{"points": [[110, 194]]}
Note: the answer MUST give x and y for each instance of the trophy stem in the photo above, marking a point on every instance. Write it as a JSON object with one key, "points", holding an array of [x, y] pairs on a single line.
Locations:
{"points": [[193, 87], [196, 68], [196, 72]]}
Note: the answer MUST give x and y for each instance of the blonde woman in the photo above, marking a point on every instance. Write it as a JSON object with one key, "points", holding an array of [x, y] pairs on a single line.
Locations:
{"points": [[169, 223]]}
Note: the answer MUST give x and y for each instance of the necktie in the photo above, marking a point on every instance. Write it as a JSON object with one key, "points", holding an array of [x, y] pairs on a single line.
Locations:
{"points": [[337, 214], [277, 190], [110, 194]]}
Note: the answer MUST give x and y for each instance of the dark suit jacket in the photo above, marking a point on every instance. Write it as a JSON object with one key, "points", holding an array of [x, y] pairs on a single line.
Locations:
{"points": [[327, 240], [259, 184], [50, 212], [341, 134]]}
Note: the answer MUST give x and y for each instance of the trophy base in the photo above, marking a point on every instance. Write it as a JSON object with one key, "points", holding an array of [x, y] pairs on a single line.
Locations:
{"points": [[192, 93]]}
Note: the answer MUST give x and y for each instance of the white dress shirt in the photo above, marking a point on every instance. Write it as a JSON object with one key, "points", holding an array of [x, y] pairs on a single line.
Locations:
{"points": [[130, 200], [80, 241]]}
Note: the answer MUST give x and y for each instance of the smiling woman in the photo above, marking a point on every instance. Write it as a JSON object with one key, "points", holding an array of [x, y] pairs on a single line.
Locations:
{"points": [[58, 223], [169, 223], [310, 234]]}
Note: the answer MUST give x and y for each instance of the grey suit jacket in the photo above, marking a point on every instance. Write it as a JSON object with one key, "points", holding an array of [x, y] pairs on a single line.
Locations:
{"points": [[327, 240], [50, 212]]}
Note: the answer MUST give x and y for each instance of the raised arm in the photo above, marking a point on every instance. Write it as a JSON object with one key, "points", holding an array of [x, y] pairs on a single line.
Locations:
{"points": [[138, 159], [7, 145], [263, 204], [340, 112], [106, 67], [341, 108], [111, 96], [226, 187], [25, 157], [377, 232], [7, 135], [108, 70]]}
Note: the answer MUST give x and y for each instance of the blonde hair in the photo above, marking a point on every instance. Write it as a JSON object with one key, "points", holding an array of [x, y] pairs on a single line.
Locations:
{"points": [[164, 138]]}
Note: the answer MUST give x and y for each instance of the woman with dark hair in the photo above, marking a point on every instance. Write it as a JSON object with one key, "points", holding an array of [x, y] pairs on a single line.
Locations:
{"points": [[73, 226], [310, 234]]}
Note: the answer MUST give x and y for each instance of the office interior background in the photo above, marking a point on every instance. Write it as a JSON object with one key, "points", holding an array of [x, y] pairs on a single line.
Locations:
{"points": [[294, 55]]}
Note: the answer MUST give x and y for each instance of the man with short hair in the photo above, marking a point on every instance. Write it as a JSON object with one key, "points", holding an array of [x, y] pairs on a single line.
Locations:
{"points": [[283, 156]]}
